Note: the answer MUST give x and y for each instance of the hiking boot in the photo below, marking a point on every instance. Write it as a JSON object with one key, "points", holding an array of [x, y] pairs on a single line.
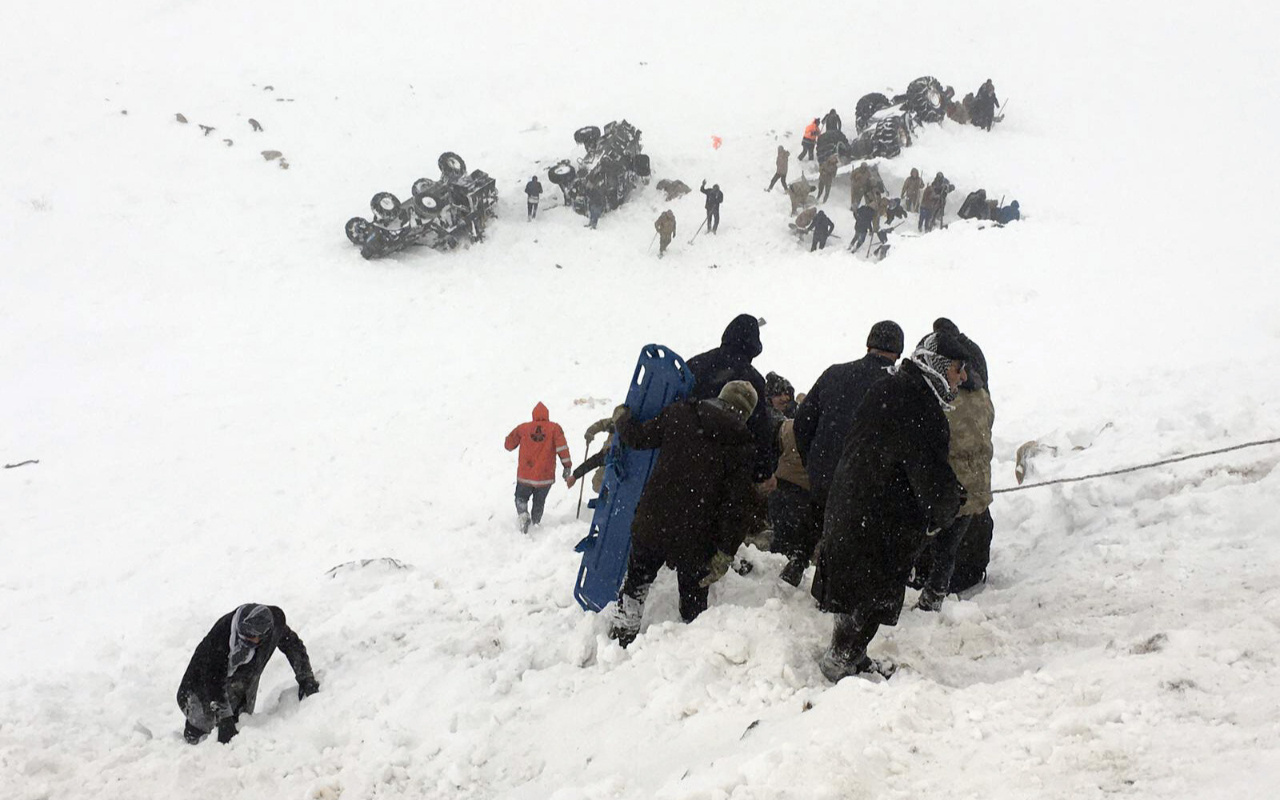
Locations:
{"points": [[525, 520], [930, 600], [793, 572]]}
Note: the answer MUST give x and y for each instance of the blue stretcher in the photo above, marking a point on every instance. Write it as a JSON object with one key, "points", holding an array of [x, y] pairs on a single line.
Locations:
{"points": [[661, 378]]}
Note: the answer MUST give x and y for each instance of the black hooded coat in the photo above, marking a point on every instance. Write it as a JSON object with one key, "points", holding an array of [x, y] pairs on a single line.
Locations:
{"points": [[824, 418], [698, 496], [731, 361], [206, 676], [892, 485]]}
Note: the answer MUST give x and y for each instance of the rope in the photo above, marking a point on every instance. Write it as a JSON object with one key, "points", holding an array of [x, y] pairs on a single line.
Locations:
{"points": [[1138, 467]]}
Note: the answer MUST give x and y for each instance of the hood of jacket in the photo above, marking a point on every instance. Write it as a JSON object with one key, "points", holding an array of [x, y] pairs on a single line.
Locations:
{"points": [[915, 173], [540, 413], [742, 336], [721, 423]]}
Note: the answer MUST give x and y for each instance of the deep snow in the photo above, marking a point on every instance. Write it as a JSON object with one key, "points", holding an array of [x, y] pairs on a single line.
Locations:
{"points": [[226, 401]]}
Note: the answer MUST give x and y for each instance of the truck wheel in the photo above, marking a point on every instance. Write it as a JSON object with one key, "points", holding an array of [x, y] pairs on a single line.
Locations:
{"points": [[422, 186], [867, 107], [640, 164], [561, 173], [451, 165], [385, 205], [358, 230], [427, 204], [587, 136], [924, 99]]}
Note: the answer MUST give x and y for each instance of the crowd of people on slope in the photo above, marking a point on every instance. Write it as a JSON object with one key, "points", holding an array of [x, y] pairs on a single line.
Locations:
{"points": [[878, 477]]}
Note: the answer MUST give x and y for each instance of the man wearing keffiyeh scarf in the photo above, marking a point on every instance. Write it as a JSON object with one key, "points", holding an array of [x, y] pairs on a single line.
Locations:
{"points": [[891, 490], [221, 682]]}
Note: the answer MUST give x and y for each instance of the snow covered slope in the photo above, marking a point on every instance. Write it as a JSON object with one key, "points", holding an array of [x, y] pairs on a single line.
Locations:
{"points": [[226, 401]]}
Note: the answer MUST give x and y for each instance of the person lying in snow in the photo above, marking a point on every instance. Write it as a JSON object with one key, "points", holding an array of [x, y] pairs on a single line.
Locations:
{"points": [[221, 682]]}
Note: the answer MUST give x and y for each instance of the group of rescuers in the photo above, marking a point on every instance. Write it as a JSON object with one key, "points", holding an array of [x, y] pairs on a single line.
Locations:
{"points": [[876, 477]]}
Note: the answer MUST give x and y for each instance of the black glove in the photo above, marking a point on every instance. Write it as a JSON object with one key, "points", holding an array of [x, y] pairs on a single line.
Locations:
{"points": [[226, 731], [192, 734], [307, 686]]}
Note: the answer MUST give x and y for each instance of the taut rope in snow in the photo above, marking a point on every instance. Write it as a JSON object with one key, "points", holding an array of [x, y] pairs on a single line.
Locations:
{"points": [[1138, 467]]}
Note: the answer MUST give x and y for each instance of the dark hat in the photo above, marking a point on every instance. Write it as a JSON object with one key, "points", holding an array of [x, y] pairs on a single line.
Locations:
{"points": [[948, 345], [886, 336], [741, 395], [944, 324], [256, 621], [775, 384]]}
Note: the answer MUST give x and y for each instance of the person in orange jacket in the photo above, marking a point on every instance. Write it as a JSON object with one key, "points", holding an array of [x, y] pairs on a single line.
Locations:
{"points": [[541, 442], [810, 139]]}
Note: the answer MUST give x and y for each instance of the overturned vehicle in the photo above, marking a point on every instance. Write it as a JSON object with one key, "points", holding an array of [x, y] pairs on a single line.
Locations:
{"points": [[439, 214], [884, 126], [611, 169]]}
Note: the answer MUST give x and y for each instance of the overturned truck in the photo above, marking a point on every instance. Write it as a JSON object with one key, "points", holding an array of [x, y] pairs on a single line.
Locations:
{"points": [[884, 126], [440, 214], [611, 169]]}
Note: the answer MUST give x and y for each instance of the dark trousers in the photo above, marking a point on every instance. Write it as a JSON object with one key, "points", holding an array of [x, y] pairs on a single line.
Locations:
{"points": [[819, 241], [713, 219], [859, 239], [806, 149], [533, 207], [945, 545], [778, 176], [642, 569], [824, 189], [791, 511], [850, 636], [593, 215], [539, 494]]}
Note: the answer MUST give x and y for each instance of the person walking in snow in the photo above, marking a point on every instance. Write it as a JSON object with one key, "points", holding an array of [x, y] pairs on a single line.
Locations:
{"points": [[831, 121], [665, 225], [984, 106], [695, 508], [822, 423], [731, 361], [780, 169], [865, 220], [714, 198], [221, 681], [809, 141], [969, 420], [911, 188], [533, 192], [541, 442], [822, 226], [892, 488], [826, 175]]}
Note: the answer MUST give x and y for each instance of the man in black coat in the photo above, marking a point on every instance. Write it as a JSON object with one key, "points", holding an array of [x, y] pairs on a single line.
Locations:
{"points": [[892, 489], [714, 198], [695, 507], [221, 682], [831, 121], [822, 226], [823, 421], [533, 191], [731, 361]]}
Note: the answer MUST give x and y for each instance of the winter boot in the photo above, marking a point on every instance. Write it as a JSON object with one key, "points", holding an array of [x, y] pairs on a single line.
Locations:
{"points": [[626, 620], [525, 520], [793, 572], [930, 600]]}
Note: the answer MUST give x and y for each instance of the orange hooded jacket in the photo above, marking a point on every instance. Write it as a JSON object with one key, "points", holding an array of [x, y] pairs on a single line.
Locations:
{"points": [[811, 131], [541, 442]]}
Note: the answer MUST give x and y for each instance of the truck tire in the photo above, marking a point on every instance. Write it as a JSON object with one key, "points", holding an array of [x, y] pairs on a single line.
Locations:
{"points": [[385, 205], [924, 99], [640, 164], [587, 136], [357, 230], [451, 165], [867, 107], [422, 186], [561, 174]]}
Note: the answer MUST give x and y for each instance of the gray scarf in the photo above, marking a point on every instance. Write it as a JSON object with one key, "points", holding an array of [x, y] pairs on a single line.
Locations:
{"points": [[242, 651]]}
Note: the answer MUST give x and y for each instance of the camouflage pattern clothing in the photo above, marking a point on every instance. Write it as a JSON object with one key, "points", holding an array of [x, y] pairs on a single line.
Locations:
{"points": [[970, 451], [859, 179], [799, 192], [665, 225], [911, 189], [826, 174]]}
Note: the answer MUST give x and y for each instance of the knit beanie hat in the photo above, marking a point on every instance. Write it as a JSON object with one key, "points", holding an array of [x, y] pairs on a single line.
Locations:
{"points": [[741, 395], [886, 336]]}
